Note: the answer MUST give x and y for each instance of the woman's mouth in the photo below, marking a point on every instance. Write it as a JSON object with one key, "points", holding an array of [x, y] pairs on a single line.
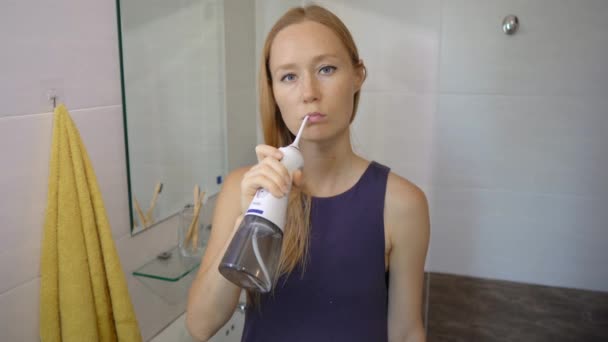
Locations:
{"points": [[315, 117]]}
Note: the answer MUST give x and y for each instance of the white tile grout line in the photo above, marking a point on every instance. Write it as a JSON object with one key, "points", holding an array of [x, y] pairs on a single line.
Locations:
{"points": [[435, 114], [23, 283], [71, 110]]}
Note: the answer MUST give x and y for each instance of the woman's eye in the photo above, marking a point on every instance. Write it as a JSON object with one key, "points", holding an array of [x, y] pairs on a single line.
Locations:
{"points": [[288, 78], [327, 70]]}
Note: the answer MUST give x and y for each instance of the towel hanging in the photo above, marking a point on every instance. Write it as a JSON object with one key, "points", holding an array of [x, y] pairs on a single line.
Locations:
{"points": [[83, 291]]}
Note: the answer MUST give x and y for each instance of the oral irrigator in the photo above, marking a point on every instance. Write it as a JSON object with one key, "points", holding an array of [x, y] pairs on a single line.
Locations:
{"points": [[253, 254]]}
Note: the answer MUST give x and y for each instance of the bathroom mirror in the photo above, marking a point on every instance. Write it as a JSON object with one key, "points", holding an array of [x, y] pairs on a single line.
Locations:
{"points": [[172, 59]]}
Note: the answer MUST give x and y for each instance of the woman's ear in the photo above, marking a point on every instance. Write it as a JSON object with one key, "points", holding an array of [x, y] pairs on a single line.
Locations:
{"points": [[360, 75]]}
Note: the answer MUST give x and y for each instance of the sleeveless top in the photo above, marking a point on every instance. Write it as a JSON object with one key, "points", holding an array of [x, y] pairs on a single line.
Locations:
{"points": [[343, 293]]}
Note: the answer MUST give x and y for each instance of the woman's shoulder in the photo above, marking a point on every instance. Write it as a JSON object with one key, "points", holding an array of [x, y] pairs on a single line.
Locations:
{"points": [[400, 192], [232, 184], [406, 213], [404, 198], [403, 190], [236, 175]]}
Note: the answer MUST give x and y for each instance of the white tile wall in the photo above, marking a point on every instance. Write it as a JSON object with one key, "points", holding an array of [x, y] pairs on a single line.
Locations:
{"points": [[241, 72], [536, 144], [398, 42], [518, 157], [561, 48], [66, 45], [241, 116], [530, 237], [19, 313]]}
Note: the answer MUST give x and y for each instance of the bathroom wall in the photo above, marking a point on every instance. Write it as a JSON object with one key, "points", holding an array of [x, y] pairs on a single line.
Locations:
{"points": [[505, 134], [72, 47], [241, 71]]}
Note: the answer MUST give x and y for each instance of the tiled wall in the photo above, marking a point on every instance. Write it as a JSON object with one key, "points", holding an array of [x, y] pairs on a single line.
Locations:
{"points": [[241, 71], [72, 47], [505, 134]]}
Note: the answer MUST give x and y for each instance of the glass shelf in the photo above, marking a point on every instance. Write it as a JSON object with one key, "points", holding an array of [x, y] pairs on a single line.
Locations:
{"points": [[169, 266]]}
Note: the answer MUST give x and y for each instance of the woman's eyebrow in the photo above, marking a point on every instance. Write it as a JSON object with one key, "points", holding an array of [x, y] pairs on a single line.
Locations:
{"points": [[323, 56], [314, 60]]}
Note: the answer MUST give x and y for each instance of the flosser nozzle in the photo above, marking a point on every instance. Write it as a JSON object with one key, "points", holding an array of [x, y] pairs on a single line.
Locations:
{"points": [[297, 140]]}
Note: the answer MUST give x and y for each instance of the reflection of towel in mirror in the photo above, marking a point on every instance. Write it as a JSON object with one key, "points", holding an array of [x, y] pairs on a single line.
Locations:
{"points": [[83, 292]]}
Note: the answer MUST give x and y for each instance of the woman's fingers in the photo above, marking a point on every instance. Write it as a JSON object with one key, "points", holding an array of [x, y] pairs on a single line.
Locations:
{"points": [[264, 151], [269, 174], [274, 169], [279, 170], [269, 181]]}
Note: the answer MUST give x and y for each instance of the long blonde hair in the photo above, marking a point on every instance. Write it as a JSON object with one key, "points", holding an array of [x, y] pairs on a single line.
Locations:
{"points": [[276, 133]]}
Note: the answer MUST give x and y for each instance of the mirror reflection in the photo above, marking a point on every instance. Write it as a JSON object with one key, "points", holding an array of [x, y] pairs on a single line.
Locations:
{"points": [[173, 70]]}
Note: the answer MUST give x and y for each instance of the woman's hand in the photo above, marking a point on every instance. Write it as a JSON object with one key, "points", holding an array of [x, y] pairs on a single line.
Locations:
{"points": [[269, 174]]}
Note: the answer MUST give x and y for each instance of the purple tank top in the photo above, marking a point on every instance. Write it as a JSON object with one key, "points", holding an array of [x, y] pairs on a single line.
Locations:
{"points": [[343, 294]]}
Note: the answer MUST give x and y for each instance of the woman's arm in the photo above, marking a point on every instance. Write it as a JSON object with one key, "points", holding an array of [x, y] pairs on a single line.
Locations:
{"points": [[212, 298], [407, 224]]}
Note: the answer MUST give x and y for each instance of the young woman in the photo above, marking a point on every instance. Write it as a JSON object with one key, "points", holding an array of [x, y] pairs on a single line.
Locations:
{"points": [[352, 264]]}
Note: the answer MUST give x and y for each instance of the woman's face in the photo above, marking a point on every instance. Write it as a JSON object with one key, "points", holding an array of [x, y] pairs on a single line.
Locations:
{"points": [[312, 74]]}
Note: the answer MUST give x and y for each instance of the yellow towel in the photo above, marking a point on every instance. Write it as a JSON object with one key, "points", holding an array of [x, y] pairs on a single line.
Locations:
{"points": [[83, 292]]}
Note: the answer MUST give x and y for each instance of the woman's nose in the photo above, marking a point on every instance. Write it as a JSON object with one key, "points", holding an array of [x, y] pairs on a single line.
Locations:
{"points": [[310, 89]]}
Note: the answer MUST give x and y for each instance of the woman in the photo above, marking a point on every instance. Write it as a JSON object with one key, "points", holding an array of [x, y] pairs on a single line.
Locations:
{"points": [[351, 223]]}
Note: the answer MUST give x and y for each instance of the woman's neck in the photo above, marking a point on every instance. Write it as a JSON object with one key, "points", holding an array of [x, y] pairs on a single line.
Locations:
{"points": [[330, 168]]}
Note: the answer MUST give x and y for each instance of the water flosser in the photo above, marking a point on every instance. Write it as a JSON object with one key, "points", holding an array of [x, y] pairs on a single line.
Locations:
{"points": [[253, 254]]}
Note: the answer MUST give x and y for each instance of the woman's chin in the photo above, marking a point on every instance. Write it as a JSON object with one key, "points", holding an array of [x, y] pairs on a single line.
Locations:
{"points": [[324, 136]]}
